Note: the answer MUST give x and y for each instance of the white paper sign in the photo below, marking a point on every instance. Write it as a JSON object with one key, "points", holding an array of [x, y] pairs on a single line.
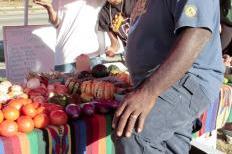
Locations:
{"points": [[28, 48]]}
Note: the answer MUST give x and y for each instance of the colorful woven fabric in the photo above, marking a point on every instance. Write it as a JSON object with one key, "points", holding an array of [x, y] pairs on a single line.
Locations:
{"points": [[23, 143], [93, 135], [218, 113], [203, 120], [225, 106], [208, 119], [59, 140], [229, 120]]}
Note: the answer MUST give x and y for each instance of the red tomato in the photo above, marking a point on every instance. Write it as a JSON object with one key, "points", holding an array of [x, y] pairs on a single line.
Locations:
{"points": [[10, 113], [61, 89], [8, 128], [58, 117], [19, 102], [25, 124], [29, 110], [41, 91], [41, 120], [40, 110], [1, 116], [36, 105], [28, 101], [52, 107], [16, 103], [39, 99]]}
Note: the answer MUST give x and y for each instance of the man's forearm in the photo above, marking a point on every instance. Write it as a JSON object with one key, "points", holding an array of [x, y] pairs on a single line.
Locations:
{"points": [[113, 40], [53, 18], [185, 51]]}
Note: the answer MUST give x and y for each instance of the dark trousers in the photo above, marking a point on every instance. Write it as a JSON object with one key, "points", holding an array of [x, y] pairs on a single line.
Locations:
{"points": [[168, 127]]}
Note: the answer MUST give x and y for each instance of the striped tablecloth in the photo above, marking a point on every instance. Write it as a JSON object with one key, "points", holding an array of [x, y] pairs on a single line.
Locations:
{"points": [[92, 135], [86, 136], [219, 113]]}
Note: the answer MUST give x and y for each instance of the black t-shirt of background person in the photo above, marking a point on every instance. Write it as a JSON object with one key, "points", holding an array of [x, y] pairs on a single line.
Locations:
{"points": [[105, 24]]}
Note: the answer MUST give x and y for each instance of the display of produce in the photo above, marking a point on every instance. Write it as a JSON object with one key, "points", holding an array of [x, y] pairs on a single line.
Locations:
{"points": [[54, 98]]}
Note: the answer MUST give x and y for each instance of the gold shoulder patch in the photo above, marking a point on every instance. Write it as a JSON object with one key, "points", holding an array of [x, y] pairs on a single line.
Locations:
{"points": [[190, 10]]}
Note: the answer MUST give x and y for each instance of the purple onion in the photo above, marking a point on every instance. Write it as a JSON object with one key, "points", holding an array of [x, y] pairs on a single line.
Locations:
{"points": [[73, 110], [88, 109], [111, 103], [103, 107]]}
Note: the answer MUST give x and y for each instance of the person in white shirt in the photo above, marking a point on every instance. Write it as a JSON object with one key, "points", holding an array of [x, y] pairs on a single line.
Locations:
{"points": [[75, 21]]}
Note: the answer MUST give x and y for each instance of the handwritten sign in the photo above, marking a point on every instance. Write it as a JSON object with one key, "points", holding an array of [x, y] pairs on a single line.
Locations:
{"points": [[28, 48]]}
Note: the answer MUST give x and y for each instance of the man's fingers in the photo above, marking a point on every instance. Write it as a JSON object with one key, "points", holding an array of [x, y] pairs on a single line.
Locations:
{"points": [[141, 121], [39, 3], [118, 114], [123, 121], [44, 4], [131, 123], [109, 53]]}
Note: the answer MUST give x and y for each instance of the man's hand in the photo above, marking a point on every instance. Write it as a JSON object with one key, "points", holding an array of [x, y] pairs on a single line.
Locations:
{"points": [[110, 51], [133, 112], [53, 18], [42, 3], [114, 47]]}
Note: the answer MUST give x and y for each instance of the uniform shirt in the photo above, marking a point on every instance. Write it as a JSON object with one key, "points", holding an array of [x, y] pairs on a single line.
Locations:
{"points": [[155, 26], [76, 33], [106, 16]]}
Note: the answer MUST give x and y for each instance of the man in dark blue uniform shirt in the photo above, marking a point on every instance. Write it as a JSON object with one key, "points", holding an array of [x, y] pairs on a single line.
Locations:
{"points": [[174, 58]]}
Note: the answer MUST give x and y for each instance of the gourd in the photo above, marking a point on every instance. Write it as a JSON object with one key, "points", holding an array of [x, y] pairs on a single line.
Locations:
{"points": [[99, 89]]}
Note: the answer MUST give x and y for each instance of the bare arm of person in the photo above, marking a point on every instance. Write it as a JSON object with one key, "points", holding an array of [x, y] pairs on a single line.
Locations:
{"points": [[184, 52], [114, 45], [53, 18]]}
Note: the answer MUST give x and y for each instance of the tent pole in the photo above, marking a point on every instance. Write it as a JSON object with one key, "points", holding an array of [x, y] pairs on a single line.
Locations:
{"points": [[26, 2]]}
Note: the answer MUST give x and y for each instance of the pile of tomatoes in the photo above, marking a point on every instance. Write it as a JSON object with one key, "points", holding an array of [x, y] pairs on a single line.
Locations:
{"points": [[23, 115]]}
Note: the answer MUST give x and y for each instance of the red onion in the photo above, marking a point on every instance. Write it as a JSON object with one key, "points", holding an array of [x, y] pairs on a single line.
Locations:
{"points": [[73, 110], [105, 106], [50, 88], [88, 109], [33, 83], [38, 99]]}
